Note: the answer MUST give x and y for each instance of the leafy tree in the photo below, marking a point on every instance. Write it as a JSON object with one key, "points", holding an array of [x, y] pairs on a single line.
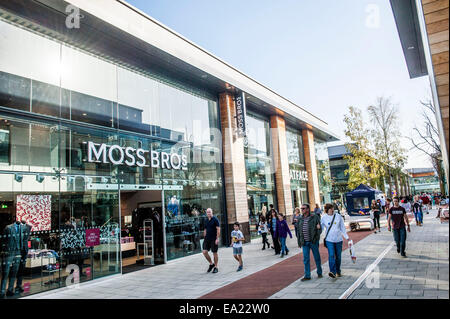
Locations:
{"points": [[363, 166], [386, 137]]}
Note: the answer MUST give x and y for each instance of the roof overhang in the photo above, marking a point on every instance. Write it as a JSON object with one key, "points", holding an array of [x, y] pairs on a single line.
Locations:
{"points": [[408, 27], [123, 34]]}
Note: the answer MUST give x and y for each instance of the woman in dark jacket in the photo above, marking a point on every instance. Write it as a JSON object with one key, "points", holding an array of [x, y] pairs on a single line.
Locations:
{"points": [[376, 215], [272, 222], [282, 231]]}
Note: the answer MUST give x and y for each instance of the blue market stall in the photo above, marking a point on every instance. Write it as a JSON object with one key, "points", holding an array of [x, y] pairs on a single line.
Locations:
{"points": [[359, 200]]}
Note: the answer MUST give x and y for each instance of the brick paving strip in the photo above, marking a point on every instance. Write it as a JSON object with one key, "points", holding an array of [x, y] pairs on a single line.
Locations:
{"points": [[275, 281], [265, 283]]}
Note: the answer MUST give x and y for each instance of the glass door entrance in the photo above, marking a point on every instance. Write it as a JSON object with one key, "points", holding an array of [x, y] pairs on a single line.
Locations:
{"points": [[142, 240]]}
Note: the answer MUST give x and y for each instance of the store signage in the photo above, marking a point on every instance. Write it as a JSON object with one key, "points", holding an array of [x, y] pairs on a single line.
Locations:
{"points": [[298, 175], [92, 237], [129, 156], [239, 102]]}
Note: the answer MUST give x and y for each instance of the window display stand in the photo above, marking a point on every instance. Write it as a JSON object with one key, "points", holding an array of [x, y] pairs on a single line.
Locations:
{"points": [[148, 242], [48, 272]]}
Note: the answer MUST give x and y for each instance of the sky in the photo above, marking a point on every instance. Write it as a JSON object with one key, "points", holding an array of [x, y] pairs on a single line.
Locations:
{"points": [[324, 55]]}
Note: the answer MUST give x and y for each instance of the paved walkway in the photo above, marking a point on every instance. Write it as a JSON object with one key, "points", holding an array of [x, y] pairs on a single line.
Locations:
{"points": [[179, 279], [424, 274]]}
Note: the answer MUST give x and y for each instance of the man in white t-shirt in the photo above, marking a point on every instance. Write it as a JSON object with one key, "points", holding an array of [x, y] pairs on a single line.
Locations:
{"points": [[383, 203]]}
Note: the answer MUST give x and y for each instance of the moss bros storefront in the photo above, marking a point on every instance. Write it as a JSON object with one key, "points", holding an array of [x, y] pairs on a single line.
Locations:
{"points": [[112, 145]]}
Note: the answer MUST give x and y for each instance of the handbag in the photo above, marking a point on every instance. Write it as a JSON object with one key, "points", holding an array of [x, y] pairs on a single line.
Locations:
{"points": [[371, 214], [328, 230]]}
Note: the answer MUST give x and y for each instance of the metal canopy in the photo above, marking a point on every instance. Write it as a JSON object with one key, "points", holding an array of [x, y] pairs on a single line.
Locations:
{"points": [[406, 19]]}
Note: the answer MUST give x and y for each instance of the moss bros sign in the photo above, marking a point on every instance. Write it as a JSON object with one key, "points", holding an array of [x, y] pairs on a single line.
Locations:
{"points": [[239, 101], [129, 156]]}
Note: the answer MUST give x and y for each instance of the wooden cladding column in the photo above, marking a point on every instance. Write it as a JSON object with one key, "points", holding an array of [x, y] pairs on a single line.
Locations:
{"points": [[437, 28], [311, 167], [280, 157], [234, 167]]}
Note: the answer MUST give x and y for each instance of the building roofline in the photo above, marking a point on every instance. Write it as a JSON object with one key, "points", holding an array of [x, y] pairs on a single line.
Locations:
{"points": [[125, 3], [140, 25]]}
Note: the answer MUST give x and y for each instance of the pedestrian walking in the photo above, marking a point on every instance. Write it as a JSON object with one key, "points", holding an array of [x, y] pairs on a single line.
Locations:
{"points": [[334, 225], [317, 210], [295, 220], [400, 223], [264, 230], [383, 204], [309, 231], [376, 215], [236, 242], [263, 212], [417, 210], [211, 236], [388, 206], [273, 231], [282, 232]]}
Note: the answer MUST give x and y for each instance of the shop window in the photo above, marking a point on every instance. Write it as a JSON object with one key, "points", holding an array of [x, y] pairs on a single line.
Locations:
{"points": [[14, 91], [46, 99], [89, 109], [259, 170], [4, 143]]}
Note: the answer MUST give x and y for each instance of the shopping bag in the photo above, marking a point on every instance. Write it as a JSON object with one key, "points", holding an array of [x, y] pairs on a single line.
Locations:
{"points": [[352, 251]]}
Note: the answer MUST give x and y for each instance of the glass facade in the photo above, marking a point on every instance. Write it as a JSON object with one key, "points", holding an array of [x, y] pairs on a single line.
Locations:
{"points": [[297, 169], [259, 169], [82, 218], [323, 170], [105, 169]]}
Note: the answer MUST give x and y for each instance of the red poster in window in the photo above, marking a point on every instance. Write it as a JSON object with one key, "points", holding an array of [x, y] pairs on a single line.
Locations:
{"points": [[92, 237], [36, 210]]}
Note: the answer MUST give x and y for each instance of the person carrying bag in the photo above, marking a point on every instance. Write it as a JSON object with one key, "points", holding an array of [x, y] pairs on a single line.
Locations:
{"points": [[334, 223]]}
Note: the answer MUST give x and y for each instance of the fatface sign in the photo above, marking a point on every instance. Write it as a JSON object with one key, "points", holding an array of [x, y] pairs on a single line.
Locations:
{"points": [[239, 101], [299, 175], [129, 156]]}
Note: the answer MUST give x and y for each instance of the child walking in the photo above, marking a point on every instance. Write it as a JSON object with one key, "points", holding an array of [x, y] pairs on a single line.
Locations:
{"points": [[236, 241], [264, 230]]}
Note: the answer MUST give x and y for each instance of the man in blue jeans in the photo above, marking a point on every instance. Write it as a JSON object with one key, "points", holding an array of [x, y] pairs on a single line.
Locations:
{"points": [[397, 215], [308, 237]]}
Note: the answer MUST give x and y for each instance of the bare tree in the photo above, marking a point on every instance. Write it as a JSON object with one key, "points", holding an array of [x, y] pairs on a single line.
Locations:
{"points": [[386, 135], [427, 139]]}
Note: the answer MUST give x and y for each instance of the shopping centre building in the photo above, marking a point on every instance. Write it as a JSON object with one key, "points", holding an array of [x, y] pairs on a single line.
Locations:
{"points": [[116, 135]]}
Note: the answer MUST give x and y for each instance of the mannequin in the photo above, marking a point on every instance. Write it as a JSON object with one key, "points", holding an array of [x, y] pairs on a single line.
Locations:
{"points": [[157, 233], [26, 230], [11, 258], [173, 205]]}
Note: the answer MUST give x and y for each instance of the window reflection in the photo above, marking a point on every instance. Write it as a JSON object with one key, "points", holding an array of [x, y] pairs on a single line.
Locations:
{"points": [[259, 169], [296, 159], [14, 91]]}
